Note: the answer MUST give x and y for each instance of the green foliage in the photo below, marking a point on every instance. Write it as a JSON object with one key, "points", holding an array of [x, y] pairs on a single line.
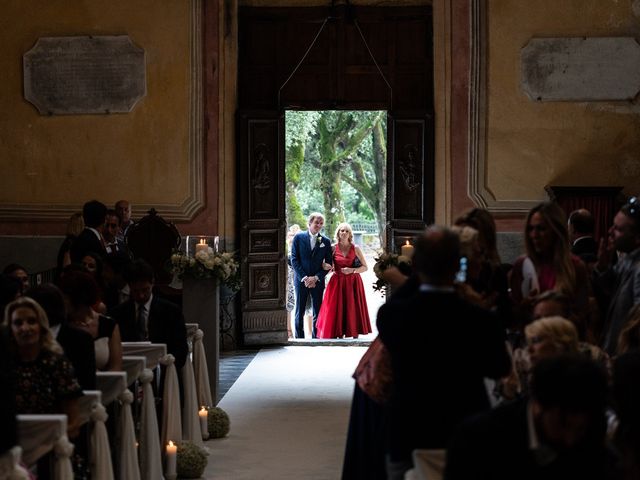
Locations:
{"points": [[191, 460], [219, 423], [340, 171]]}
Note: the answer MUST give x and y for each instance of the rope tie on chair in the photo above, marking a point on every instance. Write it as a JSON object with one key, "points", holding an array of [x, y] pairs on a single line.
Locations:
{"points": [[146, 376], [167, 360], [126, 397], [63, 448], [99, 413], [198, 335]]}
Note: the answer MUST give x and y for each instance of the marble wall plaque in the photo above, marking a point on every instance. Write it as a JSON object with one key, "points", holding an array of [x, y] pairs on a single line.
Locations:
{"points": [[581, 69], [84, 74]]}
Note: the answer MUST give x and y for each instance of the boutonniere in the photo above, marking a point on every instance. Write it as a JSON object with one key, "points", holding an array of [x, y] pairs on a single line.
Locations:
{"points": [[319, 241]]}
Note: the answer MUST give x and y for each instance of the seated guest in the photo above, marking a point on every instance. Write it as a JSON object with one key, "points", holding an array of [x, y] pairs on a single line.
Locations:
{"points": [[92, 263], [557, 434], [46, 382], [90, 239], [75, 226], [581, 227], [146, 316], [431, 395], [77, 344], [116, 287], [18, 272], [548, 263], [81, 292]]}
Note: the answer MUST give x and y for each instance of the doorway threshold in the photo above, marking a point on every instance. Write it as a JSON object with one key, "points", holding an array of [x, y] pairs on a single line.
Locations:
{"points": [[330, 342]]}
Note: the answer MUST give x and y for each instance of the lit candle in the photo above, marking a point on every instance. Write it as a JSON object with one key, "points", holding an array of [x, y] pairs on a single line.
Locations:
{"points": [[204, 422], [407, 250], [172, 456], [202, 246]]}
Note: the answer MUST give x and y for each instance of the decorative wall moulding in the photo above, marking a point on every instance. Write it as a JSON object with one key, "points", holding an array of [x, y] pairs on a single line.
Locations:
{"points": [[84, 75], [194, 201], [581, 69]]}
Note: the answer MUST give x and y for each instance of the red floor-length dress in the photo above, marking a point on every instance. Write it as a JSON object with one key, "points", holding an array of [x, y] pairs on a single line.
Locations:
{"points": [[344, 307]]}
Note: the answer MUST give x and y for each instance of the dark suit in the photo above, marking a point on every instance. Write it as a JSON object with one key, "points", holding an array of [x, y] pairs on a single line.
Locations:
{"points": [[86, 242], [441, 349], [586, 248], [79, 348], [307, 262], [165, 324], [495, 446]]}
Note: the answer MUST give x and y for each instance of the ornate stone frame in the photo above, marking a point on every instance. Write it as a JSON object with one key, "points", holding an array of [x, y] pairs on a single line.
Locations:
{"points": [[195, 200], [477, 187]]}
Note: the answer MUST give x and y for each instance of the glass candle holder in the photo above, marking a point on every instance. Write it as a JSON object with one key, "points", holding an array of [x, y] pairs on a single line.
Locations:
{"points": [[197, 243]]}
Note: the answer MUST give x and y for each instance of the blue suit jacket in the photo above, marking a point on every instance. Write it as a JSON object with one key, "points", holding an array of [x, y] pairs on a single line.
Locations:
{"points": [[307, 262]]}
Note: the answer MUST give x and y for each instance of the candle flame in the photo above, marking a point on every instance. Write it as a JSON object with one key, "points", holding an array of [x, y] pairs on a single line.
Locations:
{"points": [[202, 409], [407, 242], [203, 241], [170, 443]]}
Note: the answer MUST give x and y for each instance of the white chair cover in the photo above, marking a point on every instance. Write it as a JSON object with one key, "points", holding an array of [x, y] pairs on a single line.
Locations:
{"points": [[190, 420], [129, 468], [152, 351], [101, 467], [63, 449], [111, 384], [133, 365], [38, 434], [150, 450], [201, 372], [171, 424], [427, 465], [10, 468]]}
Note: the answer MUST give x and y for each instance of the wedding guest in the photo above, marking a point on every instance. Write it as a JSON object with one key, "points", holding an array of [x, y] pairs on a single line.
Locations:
{"points": [[558, 433], [46, 382], [548, 264], [291, 295], [90, 239], [81, 293], [77, 345], [112, 243], [581, 227], [19, 273], [621, 280], [123, 210], [419, 333], [344, 311]]}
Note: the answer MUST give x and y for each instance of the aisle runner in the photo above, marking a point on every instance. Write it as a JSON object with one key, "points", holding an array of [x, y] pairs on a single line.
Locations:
{"points": [[289, 412]]}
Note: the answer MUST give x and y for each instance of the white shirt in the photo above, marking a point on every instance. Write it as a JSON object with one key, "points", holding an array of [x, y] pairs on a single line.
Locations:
{"points": [[312, 239]]}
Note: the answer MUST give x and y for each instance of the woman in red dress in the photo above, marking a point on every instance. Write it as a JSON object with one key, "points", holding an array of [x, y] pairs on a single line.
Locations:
{"points": [[344, 310]]}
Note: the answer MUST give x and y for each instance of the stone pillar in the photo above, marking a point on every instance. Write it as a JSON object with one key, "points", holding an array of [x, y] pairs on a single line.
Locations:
{"points": [[201, 305]]}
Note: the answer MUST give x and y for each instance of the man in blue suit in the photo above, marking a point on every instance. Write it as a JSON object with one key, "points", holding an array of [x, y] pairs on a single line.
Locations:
{"points": [[309, 250]]}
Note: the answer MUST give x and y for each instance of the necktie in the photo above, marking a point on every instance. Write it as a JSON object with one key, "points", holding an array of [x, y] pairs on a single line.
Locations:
{"points": [[141, 323]]}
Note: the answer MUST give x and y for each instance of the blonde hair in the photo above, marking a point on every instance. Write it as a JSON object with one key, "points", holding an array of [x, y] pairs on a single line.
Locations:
{"points": [[340, 227], [560, 331], [47, 342], [556, 220], [75, 225], [313, 216]]}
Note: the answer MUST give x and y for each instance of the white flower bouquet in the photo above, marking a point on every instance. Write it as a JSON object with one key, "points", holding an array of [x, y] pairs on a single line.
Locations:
{"points": [[221, 266]]}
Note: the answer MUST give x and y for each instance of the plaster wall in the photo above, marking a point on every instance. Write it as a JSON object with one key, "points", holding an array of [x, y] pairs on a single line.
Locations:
{"points": [[532, 144]]}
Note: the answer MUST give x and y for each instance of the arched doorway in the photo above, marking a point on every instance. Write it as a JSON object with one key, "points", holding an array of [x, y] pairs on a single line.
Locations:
{"points": [[338, 73]]}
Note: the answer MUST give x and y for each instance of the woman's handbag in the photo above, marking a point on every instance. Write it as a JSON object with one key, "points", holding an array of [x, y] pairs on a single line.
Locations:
{"points": [[373, 373]]}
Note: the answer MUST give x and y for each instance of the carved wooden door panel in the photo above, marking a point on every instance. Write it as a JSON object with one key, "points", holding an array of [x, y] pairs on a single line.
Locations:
{"points": [[262, 227], [410, 187]]}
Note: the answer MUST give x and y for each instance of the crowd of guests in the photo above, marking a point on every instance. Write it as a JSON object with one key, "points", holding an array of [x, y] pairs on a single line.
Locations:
{"points": [[525, 371], [56, 336]]}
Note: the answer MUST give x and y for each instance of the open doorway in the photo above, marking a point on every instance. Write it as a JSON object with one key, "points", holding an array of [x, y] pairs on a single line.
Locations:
{"points": [[336, 164]]}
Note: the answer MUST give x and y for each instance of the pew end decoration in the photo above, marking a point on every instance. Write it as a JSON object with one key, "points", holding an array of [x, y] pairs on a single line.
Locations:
{"points": [[221, 266], [191, 461], [385, 261], [219, 423]]}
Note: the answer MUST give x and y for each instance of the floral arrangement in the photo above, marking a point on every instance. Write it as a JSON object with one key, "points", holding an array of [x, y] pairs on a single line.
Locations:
{"points": [[191, 460], [208, 264], [385, 261], [219, 423]]}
